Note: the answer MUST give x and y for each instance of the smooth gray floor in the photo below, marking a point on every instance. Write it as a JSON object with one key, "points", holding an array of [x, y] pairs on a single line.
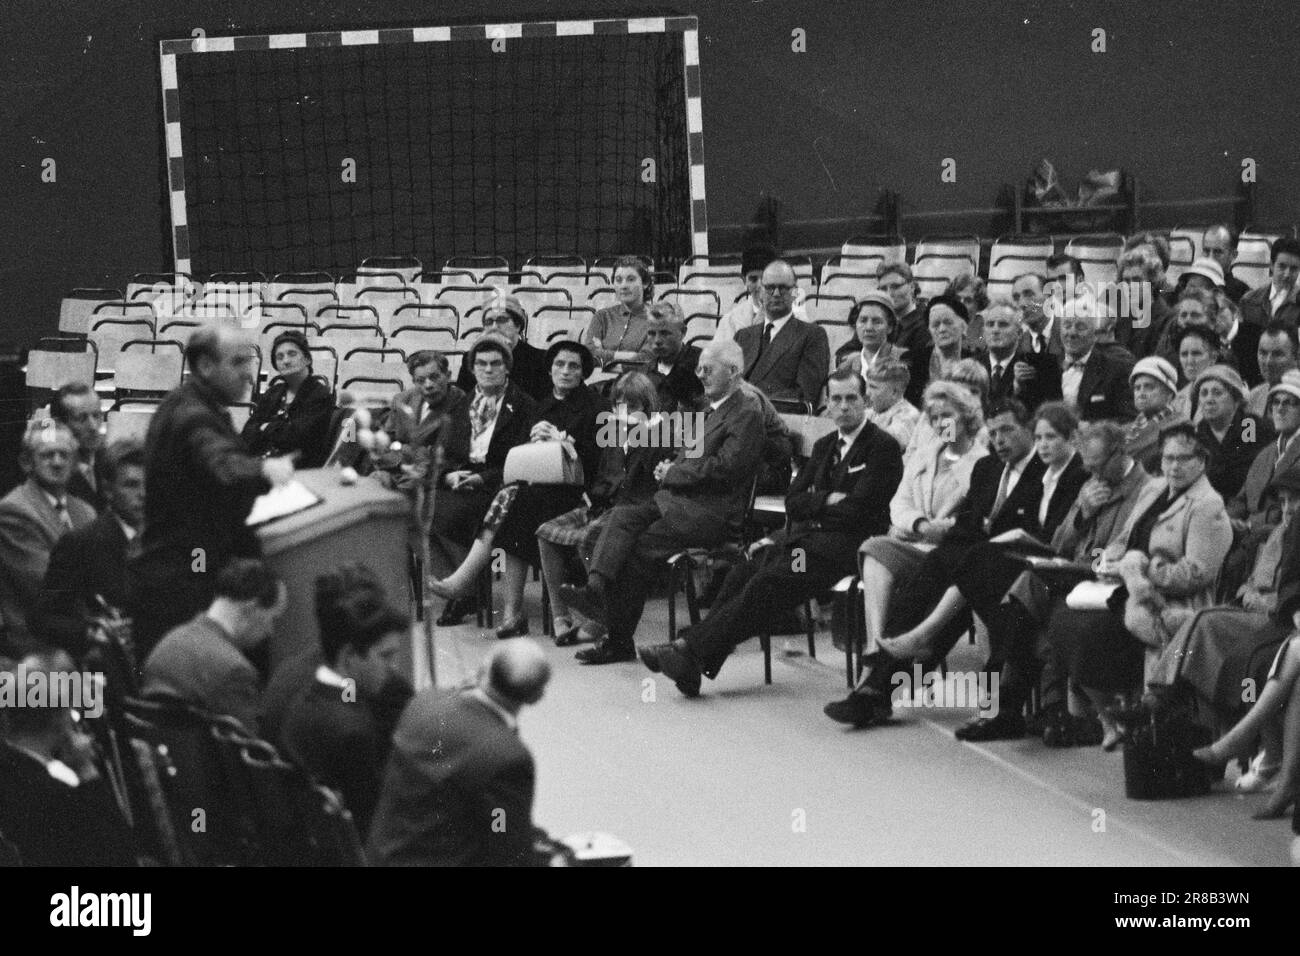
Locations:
{"points": [[752, 775]]}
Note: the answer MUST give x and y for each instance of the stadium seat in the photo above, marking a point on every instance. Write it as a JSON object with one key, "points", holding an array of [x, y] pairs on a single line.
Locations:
{"points": [[547, 266], [1098, 254], [727, 288], [1007, 267], [1020, 246], [581, 316], [934, 271], [1193, 234], [837, 333], [578, 283], [414, 338], [282, 313], [109, 335], [887, 248], [77, 306], [851, 284], [552, 322], [177, 330], [383, 268], [822, 308], [534, 297], [387, 300], [324, 360], [372, 383], [344, 337], [701, 325], [312, 281], [968, 246], [691, 300], [50, 370], [128, 423], [175, 288], [1256, 275], [1181, 250], [383, 354], [311, 299], [152, 371], [726, 266], [433, 315], [1253, 250], [464, 297], [602, 297], [477, 266], [348, 317], [203, 314]]}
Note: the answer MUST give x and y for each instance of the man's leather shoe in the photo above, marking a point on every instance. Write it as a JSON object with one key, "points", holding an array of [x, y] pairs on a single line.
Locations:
{"points": [[861, 709], [606, 652], [456, 611], [676, 663], [1001, 727], [587, 600]]}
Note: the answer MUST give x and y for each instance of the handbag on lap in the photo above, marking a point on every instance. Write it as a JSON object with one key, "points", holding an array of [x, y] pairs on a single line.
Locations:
{"points": [[543, 463]]}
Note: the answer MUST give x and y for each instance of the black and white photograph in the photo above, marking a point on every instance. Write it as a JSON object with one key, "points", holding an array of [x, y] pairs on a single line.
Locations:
{"points": [[743, 433]]}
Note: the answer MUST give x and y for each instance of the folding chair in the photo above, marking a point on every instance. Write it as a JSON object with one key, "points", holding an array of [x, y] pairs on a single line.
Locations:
{"points": [[415, 338], [48, 371], [465, 297], [153, 372], [960, 246], [853, 284], [887, 248], [477, 266], [693, 300], [78, 305], [405, 267], [534, 297], [312, 299], [824, 308], [602, 297], [386, 300], [431, 315], [549, 266], [109, 335]]}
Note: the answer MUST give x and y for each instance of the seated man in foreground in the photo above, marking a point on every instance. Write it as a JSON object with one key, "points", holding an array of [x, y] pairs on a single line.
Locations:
{"points": [[701, 501], [840, 496]]}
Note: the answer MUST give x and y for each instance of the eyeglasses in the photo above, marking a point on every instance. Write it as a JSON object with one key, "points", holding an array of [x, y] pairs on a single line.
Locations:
{"points": [[1286, 401], [488, 365], [775, 289], [501, 318]]}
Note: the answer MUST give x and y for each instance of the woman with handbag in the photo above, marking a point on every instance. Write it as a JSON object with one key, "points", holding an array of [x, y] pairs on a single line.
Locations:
{"points": [[569, 420]]}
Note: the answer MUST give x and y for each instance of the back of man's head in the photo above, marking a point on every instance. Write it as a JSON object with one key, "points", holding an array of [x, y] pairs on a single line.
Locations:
{"points": [[517, 672]]}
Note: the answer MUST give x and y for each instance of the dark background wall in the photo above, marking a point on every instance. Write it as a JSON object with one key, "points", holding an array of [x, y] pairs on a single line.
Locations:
{"points": [[883, 94]]}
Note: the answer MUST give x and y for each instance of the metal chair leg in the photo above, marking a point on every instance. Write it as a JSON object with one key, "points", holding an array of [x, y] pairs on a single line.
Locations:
{"points": [[692, 600], [672, 602], [765, 639], [812, 628]]}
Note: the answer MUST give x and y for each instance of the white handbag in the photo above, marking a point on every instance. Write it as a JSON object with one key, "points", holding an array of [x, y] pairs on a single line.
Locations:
{"points": [[543, 463]]}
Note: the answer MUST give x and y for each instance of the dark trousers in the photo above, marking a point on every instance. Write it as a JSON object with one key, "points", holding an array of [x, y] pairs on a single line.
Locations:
{"points": [[630, 555], [753, 595]]}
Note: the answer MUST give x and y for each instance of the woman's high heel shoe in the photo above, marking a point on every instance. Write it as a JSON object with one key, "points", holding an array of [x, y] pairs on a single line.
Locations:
{"points": [[516, 628], [446, 591]]}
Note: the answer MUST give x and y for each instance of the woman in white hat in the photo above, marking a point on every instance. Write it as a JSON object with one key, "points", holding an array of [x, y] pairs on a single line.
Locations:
{"points": [[1154, 383], [874, 321], [1232, 435]]}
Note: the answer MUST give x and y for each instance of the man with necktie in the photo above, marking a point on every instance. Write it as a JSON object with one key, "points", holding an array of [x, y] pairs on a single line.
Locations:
{"points": [[1016, 371], [1277, 300], [787, 359], [840, 496], [1094, 380], [77, 406]]}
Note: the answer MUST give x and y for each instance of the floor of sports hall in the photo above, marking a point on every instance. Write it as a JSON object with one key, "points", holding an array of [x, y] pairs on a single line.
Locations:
{"points": [[751, 775]]}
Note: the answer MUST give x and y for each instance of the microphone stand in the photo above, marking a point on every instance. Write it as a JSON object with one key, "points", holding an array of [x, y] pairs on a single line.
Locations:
{"points": [[425, 496]]}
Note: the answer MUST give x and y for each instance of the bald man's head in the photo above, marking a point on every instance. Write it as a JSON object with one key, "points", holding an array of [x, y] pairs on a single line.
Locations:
{"points": [[222, 358], [517, 673], [778, 289]]}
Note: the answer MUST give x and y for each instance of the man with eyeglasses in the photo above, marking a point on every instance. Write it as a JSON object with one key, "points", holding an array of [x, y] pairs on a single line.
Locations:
{"points": [[1220, 244], [786, 358], [749, 310], [1277, 300], [911, 331], [504, 315], [77, 406]]}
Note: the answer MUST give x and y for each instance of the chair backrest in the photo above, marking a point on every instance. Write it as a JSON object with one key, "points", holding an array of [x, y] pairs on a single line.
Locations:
{"points": [[478, 266], [934, 271], [837, 333], [851, 284], [371, 383], [307, 281], [109, 335], [413, 338], [691, 300], [324, 361], [53, 370], [1006, 268], [701, 324], [829, 308], [1102, 247], [602, 297], [887, 248], [1252, 250], [431, 315], [128, 423], [968, 246], [78, 305], [578, 283], [405, 268], [383, 354], [156, 370], [717, 266], [552, 322], [806, 431], [465, 297], [312, 299], [1254, 274], [1181, 251], [172, 287], [548, 266], [282, 313], [1193, 234], [348, 316], [1022, 246], [534, 297]]}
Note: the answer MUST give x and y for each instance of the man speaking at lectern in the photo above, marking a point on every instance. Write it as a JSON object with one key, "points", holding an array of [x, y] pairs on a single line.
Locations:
{"points": [[201, 483]]}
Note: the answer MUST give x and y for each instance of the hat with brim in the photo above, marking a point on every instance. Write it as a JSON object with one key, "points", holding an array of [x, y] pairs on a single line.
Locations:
{"points": [[1227, 376], [882, 299], [1290, 385], [1206, 269]]}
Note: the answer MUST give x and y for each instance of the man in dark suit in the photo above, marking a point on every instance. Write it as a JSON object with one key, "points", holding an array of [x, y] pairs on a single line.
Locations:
{"points": [[1277, 300], [839, 498], [77, 406], [340, 727], [90, 564], [1220, 244], [1032, 377], [1042, 332], [702, 499], [1006, 489], [202, 483], [786, 358], [498, 417], [458, 790], [415, 420], [1094, 381], [674, 362], [204, 662], [33, 517]]}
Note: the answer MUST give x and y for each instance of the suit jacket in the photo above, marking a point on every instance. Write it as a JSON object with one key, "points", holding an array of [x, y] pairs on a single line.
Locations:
{"points": [[202, 482], [918, 364], [794, 365], [1079, 538], [1254, 502], [342, 743], [53, 824], [1104, 390], [29, 530], [197, 663], [79, 485], [708, 486], [458, 788], [1255, 307], [1054, 345], [869, 475], [515, 420], [302, 427], [1245, 349], [626, 477], [681, 389], [418, 434], [528, 370], [1019, 511], [1046, 387], [87, 562], [1195, 535]]}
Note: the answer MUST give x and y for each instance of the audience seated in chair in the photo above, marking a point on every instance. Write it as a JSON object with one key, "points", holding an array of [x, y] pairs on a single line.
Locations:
{"points": [[895, 279], [1233, 437], [673, 362], [417, 420], [1154, 383], [785, 357], [946, 319], [874, 323], [749, 310], [617, 333], [1030, 377], [77, 406], [292, 416], [505, 316], [887, 409]]}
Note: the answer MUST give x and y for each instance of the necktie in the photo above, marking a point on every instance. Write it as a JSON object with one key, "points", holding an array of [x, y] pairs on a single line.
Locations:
{"points": [[998, 371], [65, 519], [765, 341], [1002, 493]]}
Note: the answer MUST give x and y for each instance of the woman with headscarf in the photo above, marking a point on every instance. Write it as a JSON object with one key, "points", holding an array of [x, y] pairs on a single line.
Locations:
{"points": [[293, 414]]}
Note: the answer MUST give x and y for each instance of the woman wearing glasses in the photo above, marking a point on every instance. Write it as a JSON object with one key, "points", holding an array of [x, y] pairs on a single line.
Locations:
{"points": [[617, 332], [505, 316]]}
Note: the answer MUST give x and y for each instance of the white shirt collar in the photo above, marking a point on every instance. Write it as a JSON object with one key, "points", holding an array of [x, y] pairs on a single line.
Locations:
{"points": [[1018, 467], [1082, 360], [846, 441], [510, 719], [331, 678], [55, 503], [779, 324], [126, 528]]}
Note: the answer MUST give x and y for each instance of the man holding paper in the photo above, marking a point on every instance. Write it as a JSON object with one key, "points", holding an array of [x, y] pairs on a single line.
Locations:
{"points": [[202, 482]]}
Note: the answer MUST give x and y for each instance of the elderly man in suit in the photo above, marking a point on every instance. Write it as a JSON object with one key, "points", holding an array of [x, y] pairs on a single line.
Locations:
{"points": [[1277, 300], [202, 483], [458, 790], [840, 496], [1016, 372], [1220, 244], [89, 565], [415, 419], [77, 406], [205, 662], [33, 517], [703, 494], [1094, 381], [786, 358], [1042, 332]]}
